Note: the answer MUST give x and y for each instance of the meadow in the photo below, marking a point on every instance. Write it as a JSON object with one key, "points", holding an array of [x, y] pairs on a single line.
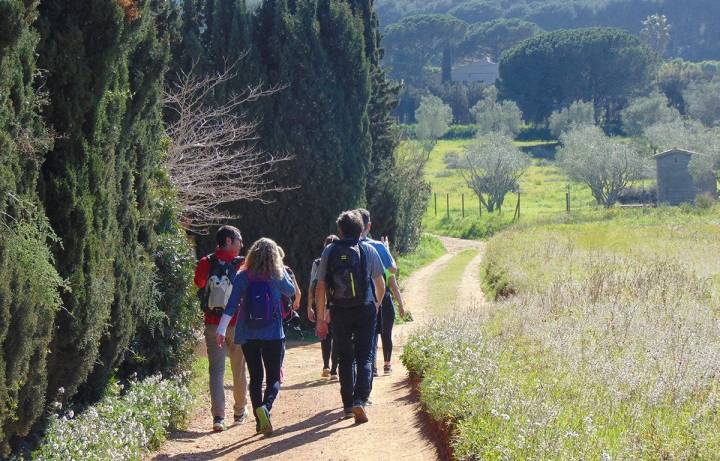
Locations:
{"points": [[603, 342], [542, 188]]}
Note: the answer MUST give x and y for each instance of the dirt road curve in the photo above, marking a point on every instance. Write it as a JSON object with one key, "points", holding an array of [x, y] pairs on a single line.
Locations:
{"points": [[307, 412]]}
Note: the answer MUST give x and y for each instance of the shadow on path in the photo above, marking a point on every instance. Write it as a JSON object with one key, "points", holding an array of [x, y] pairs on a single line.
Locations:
{"points": [[308, 431]]}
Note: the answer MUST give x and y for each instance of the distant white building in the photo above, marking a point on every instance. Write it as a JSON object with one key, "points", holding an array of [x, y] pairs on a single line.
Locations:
{"points": [[484, 71]]}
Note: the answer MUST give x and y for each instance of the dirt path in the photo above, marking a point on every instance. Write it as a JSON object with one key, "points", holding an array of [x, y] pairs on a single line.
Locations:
{"points": [[307, 412]]}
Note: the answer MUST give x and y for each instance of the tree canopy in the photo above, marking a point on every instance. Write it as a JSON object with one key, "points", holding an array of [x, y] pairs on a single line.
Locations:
{"points": [[551, 71]]}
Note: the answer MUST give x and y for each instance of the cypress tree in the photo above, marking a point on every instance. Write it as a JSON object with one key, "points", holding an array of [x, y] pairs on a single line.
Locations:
{"points": [[92, 178], [137, 156], [317, 51], [28, 282]]}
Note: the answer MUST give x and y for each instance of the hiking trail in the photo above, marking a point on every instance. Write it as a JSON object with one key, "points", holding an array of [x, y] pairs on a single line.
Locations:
{"points": [[306, 415]]}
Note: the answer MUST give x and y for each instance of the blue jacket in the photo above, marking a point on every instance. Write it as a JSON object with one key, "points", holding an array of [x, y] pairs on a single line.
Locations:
{"points": [[242, 332]]}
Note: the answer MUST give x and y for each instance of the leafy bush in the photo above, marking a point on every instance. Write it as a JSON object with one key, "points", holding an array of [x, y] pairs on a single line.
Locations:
{"points": [[452, 160], [119, 427], [460, 132], [578, 113]]}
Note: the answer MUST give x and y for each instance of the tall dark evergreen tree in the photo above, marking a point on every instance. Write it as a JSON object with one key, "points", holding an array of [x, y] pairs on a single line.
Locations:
{"points": [[137, 156], [317, 50], [29, 294], [93, 180]]}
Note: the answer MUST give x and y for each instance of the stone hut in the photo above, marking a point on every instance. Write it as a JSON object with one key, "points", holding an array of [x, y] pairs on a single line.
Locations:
{"points": [[675, 184]]}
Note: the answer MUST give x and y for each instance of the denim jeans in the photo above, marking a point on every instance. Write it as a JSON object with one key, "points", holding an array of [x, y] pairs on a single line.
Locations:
{"points": [[353, 333], [216, 361], [264, 359]]}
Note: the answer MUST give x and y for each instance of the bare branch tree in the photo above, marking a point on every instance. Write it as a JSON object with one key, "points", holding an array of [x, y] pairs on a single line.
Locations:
{"points": [[213, 158]]}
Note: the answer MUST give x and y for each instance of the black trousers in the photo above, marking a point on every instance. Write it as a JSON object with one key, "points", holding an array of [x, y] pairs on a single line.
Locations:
{"points": [[264, 358], [353, 330]]}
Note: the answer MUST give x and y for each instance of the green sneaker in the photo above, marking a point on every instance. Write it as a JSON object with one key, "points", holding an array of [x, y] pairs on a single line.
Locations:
{"points": [[263, 416]]}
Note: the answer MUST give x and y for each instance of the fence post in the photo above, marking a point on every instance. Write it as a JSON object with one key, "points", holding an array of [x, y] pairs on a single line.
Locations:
{"points": [[516, 215], [435, 203], [462, 204], [447, 204], [567, 199]]}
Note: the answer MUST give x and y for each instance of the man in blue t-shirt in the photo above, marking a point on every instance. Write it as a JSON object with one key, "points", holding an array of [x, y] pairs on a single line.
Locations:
{"points": [[386, 314], [353, 322]]}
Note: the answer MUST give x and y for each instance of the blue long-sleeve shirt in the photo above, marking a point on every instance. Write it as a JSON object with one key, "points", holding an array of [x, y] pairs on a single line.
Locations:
{"points": [[243, 333]]}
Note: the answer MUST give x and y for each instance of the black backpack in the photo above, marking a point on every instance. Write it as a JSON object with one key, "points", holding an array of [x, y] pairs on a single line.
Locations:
{"points": [[346, 274], [219, 284]]}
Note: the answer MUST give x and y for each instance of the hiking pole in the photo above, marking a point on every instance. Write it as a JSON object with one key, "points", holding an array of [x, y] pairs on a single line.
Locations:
{"points": [[447, 205], [462, 204]]}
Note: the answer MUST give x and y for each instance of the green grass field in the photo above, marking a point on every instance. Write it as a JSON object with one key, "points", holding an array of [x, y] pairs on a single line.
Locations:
{"points": [[542, 196]]}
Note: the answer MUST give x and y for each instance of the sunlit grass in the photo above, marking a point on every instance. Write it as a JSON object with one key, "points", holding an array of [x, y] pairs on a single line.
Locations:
{"points": [[607, 348]]}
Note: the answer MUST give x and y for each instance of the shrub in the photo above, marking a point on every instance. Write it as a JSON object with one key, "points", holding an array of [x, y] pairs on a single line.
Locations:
{"points": [[460, 132], [119, 427], [577, 114], [452, 160], [705, 201]]}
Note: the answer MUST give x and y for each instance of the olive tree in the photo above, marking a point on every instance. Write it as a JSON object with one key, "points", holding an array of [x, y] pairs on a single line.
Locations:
{"points": [[578, 113], [433, 118], [703, 101], [492, 167], [646, 111], [493, 116], [606, 165]]}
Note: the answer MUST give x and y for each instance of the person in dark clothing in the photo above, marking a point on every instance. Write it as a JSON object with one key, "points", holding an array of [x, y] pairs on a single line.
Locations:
{"points": [[329, 353], [350, 274]]}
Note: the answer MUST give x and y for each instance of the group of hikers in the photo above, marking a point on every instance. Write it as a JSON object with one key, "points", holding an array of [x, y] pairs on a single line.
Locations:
{"points": [[244, 300]]}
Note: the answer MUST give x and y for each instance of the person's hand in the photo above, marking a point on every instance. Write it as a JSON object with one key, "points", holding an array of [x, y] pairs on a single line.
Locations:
{"points": [[328, 319], [401, 310], [385, 241], [311, 315], [220, 340], [321, 330], [296, 304]]}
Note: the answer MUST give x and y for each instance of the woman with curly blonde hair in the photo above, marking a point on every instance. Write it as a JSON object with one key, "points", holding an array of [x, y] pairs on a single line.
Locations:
{"points": [[260, 283]]}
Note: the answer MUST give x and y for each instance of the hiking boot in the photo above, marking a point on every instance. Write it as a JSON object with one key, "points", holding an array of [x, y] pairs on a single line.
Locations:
{"points": [[325, 373], [241, 418], [333, 375], [387, 368], [257, 426], [218, 424], [263, 416], [347, 413], [375, 373], [360, 414]]}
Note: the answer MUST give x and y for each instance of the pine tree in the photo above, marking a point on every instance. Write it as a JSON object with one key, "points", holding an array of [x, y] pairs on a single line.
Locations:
{"points": [[28, 282]]}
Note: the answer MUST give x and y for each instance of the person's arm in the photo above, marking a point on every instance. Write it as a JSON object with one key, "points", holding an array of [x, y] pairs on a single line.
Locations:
{"points": [[202, 270], [321, 295], [286, 285], [298, 294], [320, 316], [396, 292], [310, 301], [377, 273], [238, 288], [379, 289]]}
